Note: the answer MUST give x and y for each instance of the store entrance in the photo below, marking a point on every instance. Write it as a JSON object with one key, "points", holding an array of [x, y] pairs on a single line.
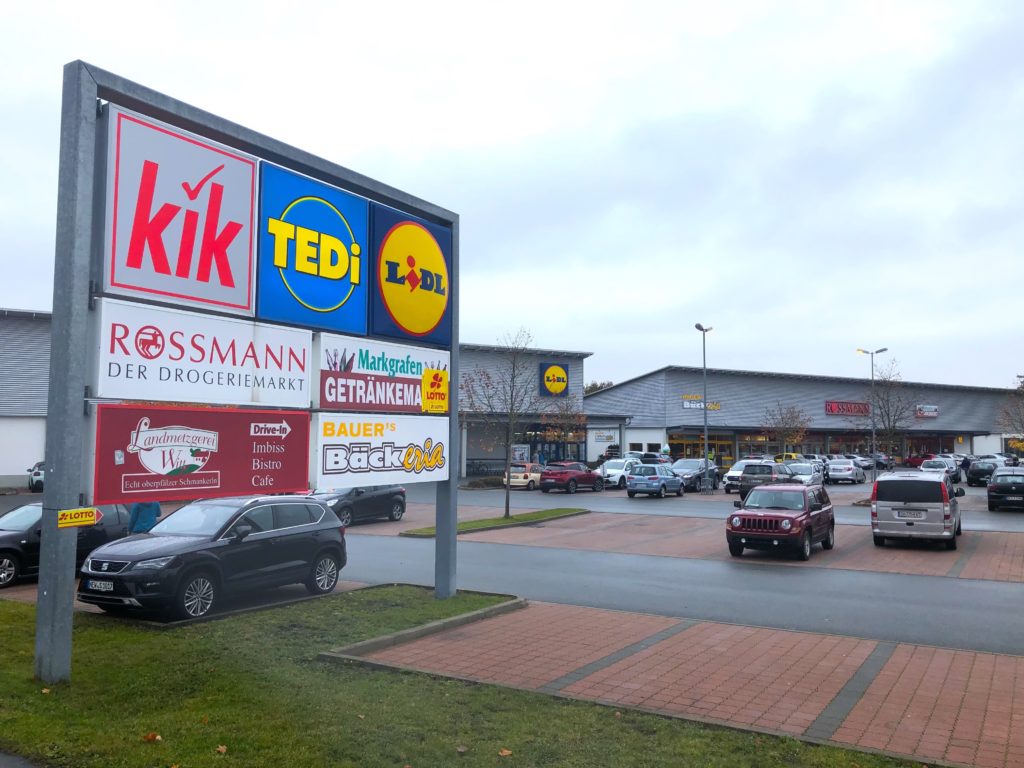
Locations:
{"points": [[692, 447]]}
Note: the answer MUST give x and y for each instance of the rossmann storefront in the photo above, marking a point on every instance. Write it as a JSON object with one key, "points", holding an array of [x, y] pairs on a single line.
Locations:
{"points": [[665, 410]]}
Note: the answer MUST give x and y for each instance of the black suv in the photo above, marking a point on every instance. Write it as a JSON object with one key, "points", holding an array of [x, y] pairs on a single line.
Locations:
{"points": [[1005, 488], [367, 503], [21, 537], [758, 474], [194, 555]]}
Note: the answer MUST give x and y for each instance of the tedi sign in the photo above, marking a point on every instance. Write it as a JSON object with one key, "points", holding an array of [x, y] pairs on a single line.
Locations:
{"points": [[180, 213], [150, 353]]}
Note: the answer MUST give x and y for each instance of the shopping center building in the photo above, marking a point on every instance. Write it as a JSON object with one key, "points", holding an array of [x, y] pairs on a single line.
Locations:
{"points": [[664, 410]]}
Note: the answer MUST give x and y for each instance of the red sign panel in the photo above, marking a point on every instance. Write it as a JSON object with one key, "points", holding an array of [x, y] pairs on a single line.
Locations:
{"points": [[161, 453], [844, 408]]}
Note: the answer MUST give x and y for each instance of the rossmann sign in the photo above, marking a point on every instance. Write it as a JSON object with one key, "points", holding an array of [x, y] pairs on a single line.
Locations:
{"points": [[359, 375], [179, 217], [151, 353], [313, 253]]}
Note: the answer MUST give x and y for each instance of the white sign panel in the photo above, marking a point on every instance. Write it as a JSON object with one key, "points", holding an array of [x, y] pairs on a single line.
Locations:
{"points": [[366, 376], [601, 436], [353, 450], [151, 353], [180, 217]]}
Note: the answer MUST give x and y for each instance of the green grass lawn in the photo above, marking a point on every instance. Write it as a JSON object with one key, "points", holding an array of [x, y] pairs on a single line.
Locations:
{"points": [[500, 522], [251, 683]]}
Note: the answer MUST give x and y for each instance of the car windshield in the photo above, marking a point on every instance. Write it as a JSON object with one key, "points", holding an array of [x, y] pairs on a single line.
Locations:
{"points": [[802, 469], [615, 464], [738, 466], [757, 469], [200, 518], [517, 467], [21, 518], [845, 464], [910, 491], [997, 479], [644, 469], [933, 464], [983, 465], [685, 464], [765, 499]]}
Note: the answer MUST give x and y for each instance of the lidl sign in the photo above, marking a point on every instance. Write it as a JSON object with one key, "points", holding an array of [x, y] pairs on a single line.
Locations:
{"points": [[554, 379], [312, 256], [412, 270]]}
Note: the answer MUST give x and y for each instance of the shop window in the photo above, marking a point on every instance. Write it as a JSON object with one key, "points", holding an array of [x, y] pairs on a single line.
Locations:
{"points": [[653, 447], [636, 446]]}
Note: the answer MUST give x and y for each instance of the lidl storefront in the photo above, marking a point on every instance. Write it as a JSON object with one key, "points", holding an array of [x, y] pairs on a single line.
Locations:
{"points": [[664, 410]]}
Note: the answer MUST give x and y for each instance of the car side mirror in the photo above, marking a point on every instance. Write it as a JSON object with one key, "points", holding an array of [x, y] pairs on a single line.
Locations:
{"points": [[241, 531], [738, 504], [961, 492]]}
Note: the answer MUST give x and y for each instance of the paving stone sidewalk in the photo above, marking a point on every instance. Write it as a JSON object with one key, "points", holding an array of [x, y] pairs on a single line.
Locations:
{"points": [[926, 703]]}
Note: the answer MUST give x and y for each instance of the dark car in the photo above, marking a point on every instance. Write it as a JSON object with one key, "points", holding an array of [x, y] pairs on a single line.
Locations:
{"points": [[692, 470], [980, 471], [187, 561], [1005, 488], [758, 474], [21, 537], [569, 476], [792, 517], [368, 503]]}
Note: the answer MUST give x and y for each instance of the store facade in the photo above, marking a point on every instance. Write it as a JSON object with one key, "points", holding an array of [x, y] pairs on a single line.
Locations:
{"points": [[665, 409]]}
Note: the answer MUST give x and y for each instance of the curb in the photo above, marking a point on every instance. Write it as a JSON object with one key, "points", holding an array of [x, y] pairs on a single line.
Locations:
{"points": [[353, 652], [410, 535]]}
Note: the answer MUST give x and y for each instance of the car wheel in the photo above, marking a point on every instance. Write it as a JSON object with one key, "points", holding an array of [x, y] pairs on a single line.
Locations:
{"points": [[830, 539], [599, 485], [196, 595], [530, 486], [10, 569], [397, 510], [959, 528], [951, 543], [804, 553], [324, 576], [679, 490], [661, 492], [735, 549], [545, 490], [622, 483], [631, 494], [991, 507], [879, 541], [571, 487], [345, 516]]}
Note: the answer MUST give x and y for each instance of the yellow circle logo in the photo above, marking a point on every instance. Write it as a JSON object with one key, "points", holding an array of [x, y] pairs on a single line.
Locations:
{"points": [[555, 379], [412, 277]]}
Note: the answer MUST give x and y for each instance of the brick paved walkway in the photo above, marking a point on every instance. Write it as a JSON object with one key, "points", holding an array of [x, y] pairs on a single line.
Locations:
{"points": [[925, 703]]}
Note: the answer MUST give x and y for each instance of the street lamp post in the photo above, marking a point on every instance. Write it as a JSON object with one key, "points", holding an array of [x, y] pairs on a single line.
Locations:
{"points": [[704, 364], [874, 458]]}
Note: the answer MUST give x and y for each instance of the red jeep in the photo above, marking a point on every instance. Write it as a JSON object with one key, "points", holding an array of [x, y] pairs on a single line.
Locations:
{"points": [[569, 476], [782, 515]]}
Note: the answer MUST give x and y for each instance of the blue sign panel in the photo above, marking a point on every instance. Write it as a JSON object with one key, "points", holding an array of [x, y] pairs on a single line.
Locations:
{"points": [[313, 260], [411, 267]]}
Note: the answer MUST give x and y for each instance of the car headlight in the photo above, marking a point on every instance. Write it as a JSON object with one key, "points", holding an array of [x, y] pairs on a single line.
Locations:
{"points": [[787, 524], [156, 562], [87, 565], [332, 501], [736, 521]]}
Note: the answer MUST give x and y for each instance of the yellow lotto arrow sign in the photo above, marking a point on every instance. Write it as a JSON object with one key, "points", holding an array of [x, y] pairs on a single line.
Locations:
{"points": [[76, 518]]}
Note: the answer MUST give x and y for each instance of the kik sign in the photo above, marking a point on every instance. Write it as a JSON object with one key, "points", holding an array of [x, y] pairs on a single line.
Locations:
{"points": [[313, 253], [412, 269], [180, 215], [554, 379]]}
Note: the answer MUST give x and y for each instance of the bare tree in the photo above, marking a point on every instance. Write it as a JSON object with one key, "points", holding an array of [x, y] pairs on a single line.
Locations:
{"points": [[1011, 416], [596, 386], [893, 405], [564, 421], [788, 423], [501, 397]]}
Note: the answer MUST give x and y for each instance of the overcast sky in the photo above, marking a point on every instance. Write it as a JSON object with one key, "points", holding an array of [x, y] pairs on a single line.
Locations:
{"points": [[805, 177]]}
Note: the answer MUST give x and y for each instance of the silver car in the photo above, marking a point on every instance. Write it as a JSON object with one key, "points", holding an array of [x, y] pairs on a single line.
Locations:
{"points": [[845, 471], [938, 466], [915, 505], [807, 473]]}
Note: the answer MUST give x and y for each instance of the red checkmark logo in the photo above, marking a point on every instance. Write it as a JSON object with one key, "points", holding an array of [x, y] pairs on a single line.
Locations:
{"points": [[193, 192]]}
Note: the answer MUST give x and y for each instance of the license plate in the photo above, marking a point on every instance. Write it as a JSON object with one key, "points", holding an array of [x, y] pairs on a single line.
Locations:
{"points": [[101, 586], [1015, 498], [909, 514]]}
